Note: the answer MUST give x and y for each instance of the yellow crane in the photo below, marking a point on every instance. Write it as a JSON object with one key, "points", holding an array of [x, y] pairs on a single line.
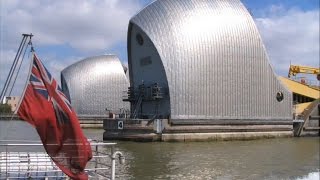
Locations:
{"points": [[295, 69]]}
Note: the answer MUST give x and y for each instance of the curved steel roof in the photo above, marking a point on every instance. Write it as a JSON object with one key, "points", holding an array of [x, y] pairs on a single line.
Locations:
{"points": [[96, 83], [214, 60]]}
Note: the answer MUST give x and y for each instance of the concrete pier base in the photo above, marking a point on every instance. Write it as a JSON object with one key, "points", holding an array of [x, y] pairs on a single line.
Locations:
{"points": [[92, 124], [191, 137], [185, 137], [163, 130]]}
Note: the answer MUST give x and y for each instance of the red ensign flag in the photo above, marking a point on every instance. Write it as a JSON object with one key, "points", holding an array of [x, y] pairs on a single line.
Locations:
{"points": [[47, 108]]}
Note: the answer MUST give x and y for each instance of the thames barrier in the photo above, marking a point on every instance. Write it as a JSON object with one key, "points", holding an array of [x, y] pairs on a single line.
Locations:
{"points": [[197, 71]]}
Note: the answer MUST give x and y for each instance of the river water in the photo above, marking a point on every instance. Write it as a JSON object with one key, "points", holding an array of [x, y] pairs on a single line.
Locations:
{"points": [[283, 158]]}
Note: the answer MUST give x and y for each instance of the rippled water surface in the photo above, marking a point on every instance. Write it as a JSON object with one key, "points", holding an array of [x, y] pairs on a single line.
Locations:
{"points": [[284, 158], [259, 159]]}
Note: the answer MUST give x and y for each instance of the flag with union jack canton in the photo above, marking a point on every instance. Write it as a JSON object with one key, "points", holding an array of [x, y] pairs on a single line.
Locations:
{"points": [[48, 109]]}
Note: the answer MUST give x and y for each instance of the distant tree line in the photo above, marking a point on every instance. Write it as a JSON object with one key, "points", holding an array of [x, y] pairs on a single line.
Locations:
{"points": [[5, 109]]}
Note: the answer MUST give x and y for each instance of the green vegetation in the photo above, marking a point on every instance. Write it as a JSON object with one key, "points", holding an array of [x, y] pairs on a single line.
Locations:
{"points": [[5, 109]]}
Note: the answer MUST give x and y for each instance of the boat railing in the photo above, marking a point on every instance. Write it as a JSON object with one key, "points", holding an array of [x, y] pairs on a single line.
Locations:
{"points": [[36, 164]]}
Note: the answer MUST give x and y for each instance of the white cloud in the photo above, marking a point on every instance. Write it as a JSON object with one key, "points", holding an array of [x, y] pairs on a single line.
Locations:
{"points": [[86, 25], [290, 35], [52, 63], [6, 63]]}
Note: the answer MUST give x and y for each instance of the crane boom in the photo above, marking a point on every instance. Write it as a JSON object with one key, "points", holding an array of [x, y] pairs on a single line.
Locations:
{"points": [[295, 69]]}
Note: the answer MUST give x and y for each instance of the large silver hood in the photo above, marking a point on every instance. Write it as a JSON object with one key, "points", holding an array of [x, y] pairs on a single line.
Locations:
{"points": [[212, 58]]}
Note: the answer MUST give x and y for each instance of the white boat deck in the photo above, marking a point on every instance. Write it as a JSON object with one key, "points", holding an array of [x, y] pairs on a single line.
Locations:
{"points": [[38, 165]]}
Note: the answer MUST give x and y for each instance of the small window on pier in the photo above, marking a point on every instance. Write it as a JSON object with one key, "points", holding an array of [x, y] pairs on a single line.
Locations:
{"points": [[139, 39], [279, 96]]}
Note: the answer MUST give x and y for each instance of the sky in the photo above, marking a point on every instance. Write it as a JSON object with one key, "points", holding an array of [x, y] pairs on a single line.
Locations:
{"points": [[68, 31]]}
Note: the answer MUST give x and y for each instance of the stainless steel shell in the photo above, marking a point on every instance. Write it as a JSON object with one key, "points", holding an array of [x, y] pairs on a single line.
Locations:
{"points": [[96, 83], [214, 60]]}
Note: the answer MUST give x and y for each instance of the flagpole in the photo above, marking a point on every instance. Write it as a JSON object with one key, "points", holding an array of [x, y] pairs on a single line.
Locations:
{"points": [[12, 69], [14, 64], [27, 81]]}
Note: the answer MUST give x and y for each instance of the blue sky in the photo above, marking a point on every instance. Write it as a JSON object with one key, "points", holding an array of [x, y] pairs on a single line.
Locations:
{"points": [[259, 5], [68, 31]]}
